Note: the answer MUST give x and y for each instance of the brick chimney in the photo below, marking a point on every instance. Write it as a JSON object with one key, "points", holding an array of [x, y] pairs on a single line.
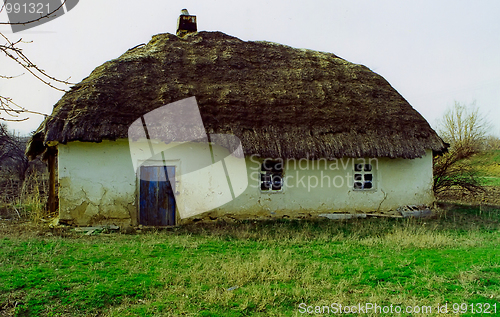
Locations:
{"points": [[186, 23]]}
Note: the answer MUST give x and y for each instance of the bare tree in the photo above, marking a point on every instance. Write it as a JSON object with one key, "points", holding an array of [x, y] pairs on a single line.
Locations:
{"points": [[12, 50], [451, 172], [492, 143], [12, 157], [464, 128]]}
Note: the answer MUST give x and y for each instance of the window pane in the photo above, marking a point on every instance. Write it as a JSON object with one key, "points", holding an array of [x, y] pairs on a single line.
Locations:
{"points": [[358, 177], [277, 181], [278, 166], [265, 182], [266, 166], [265, 186], [358, 185], [272, 166], [358, 167], [368, 177], [368, 185], [368, 167]]}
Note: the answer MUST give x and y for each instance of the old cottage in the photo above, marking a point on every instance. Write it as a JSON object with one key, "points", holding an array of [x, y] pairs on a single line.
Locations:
{"points": [[316, 134]]}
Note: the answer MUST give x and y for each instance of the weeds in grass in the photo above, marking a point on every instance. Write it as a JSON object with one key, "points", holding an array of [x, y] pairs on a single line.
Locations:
{"points": [[257, 268], [29, 203], [31, 199], [489, 181]]}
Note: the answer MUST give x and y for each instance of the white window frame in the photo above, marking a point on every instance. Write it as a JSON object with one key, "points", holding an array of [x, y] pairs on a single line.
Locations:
{"points": [[367, 174], [273, 174]]}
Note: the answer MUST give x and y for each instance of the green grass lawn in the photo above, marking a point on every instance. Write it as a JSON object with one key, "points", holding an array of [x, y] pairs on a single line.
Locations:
{"points": [[258, 268], [489, 181], [487, 163]]}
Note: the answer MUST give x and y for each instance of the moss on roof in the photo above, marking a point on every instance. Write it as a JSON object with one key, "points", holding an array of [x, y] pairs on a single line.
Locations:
{"points": [[280, 101]]}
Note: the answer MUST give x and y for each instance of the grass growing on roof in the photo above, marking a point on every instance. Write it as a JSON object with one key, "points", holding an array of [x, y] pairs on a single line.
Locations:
{"points": [[256, 268], [313, 100]]}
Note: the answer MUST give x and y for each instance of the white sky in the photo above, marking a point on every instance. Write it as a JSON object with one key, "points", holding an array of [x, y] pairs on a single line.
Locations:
{"points": [[432, 52]]}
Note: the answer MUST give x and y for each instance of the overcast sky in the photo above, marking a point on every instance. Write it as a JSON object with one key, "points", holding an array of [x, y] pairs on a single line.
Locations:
{"points": [[432, 52]]}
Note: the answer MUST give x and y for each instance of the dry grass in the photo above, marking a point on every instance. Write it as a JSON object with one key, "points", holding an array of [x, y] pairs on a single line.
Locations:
{"points": [[256, 268], [28, 203]]}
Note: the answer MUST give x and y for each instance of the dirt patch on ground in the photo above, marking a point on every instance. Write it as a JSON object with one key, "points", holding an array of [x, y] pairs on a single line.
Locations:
{"points": [[14, 228], [11, 226], [490, 196], [26, 229]]}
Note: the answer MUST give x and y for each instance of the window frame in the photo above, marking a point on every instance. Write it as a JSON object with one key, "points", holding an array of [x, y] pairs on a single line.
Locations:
{"points": [[271, 172], [366, 169]]}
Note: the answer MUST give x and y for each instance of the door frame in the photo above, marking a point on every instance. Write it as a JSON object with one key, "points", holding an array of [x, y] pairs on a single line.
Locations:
{"points": [[157, 163]]}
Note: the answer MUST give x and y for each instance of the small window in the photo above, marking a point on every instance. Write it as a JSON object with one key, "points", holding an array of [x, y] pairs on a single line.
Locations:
{"points": [[271, 176], [363, 176]]}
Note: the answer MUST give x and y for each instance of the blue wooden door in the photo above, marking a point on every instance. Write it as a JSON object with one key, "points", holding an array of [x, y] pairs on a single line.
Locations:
{"points": [[156, 196]]}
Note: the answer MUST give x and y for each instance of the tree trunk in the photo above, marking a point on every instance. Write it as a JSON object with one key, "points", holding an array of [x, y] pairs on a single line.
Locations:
{"points": [[52, 179]]}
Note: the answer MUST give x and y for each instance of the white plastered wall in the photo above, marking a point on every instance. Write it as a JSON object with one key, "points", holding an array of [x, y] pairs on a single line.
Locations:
{"points": [[313, 189], [98, 184], [206, 177]]}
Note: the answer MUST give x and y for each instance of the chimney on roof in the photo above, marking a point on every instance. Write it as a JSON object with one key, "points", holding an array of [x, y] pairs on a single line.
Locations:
{"points": [[186, 23]]}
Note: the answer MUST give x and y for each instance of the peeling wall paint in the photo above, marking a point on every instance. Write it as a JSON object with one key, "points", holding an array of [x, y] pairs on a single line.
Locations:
{"points": [[98, 185], [397, 182], [201, 183]]}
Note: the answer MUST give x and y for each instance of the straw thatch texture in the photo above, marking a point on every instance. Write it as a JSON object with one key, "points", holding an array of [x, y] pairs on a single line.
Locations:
{"points": [[280, 101]]}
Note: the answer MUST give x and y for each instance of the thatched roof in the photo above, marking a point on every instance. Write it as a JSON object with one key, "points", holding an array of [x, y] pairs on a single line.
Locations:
{"points": [[280, 101]]}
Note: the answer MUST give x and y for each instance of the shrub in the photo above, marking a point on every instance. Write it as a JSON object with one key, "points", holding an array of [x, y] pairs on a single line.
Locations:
{"points": [[453, 172]]}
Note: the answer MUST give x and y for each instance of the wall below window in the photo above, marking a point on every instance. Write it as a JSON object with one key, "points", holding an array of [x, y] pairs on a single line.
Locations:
{"points": [[328, 187], [98, 184]]}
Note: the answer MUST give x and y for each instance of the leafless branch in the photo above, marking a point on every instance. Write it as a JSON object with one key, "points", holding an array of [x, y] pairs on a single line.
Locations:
{"points": [[14, 110], [12, 157], [13, 51], [46, 16], [464, 126], [10, 50]]}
